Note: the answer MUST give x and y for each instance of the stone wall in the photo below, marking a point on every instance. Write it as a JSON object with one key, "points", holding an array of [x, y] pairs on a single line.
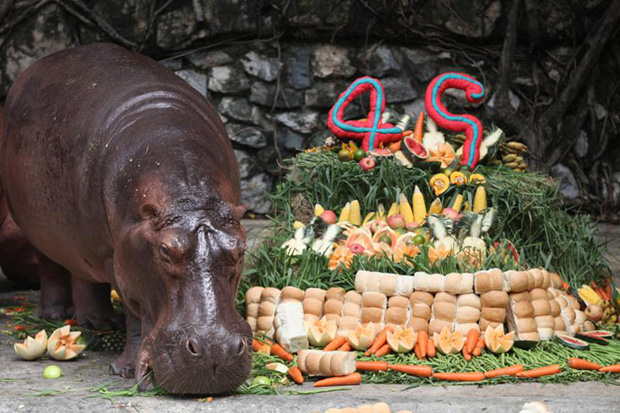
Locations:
{"points": [[273, 69]]}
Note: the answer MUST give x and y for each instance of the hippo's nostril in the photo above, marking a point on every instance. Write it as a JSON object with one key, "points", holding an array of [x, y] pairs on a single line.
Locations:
{"points": [[192, 347], [242, 344]]}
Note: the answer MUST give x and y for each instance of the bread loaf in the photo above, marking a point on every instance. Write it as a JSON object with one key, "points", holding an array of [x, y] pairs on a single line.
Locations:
{"points": [[289, 323], [373, 308], [334, 301], [398, 311], [443, 313], [351, 312], [421, 310], [467, 312], [269, 299], [252, 302], [326, 363]]}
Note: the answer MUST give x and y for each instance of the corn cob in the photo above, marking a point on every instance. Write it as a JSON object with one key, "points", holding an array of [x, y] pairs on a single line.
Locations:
{"points": [[318, 210], [458, 203], [355, 217], [436, 207], [344, 214], [480, 199], [588, 295], [419, 207], [405, 209], [393, 209], [368, 217]]}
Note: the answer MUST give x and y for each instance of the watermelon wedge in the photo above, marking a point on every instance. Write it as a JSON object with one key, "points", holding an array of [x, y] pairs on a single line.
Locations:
{"points": [[572, 342]]}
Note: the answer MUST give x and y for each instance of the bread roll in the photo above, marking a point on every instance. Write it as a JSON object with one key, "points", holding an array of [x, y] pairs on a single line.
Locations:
{"points": [[541, 307], [396, 315], [251, 310], [464, 328], [252, 322], [421, 281], [467, 315], [291, 294], [421, 297], [559, 325], [469, 300], [484, 324], [313, 363], [556, 280], [332, 307], [546, 283], [271, 295], [546, 333], [531, 281], [545, 321], [421, 310], [335, 317], [265, 325], [517, 281], [397, 301], [452, 283], [568, 315], [527, 325], [361, 281], [539, 294], [533, 336], [266, 308], [580, 317], [418, 324], [518, 297], [342, 363], [562, 301], [497, 315], [253, 295], [445, 297], [489, 281], [444, 310], [387, 284], [436, 325], [316, 293], [348, 323], [404, 285], [372, 315], [310, 318], [435, 282], [553, 292], [351, 309], [313, 306], [538, 277], [335, 293], [573, 302], [467, 283], [498, 299], [523, 309], [555, 308], [372, 299], [353, 297]]}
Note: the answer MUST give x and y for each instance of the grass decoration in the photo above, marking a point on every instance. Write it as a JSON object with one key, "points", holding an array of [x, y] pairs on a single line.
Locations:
{"points": [[529, 214]]}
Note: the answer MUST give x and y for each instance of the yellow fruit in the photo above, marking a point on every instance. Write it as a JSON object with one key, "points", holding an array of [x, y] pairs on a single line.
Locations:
{"points": [[477, 179], [448, 342], [458, 203], [480, 199], [458, 178], [298, 224], [436, 207], [509, 158], [362, 337], [393, 210], [368, 218], [32, 348], [63, 344], [497, 341], [344, 214], [321, 332], [440, 183], [405, 209], [419, 207], [402, 340], [355, 217], [318, 210]]}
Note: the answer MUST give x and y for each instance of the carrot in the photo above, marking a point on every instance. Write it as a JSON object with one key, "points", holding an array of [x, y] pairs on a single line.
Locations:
{"points": [[278, 350], [407, 133], [423, 338], [351, 379], [296, 375], [420, 371], [380, 340], [419, 128], [416, 350], [505, 371], [459, 376], [383, 350], [430, 349], [335, 343], [614, 368], [371, 365], [261, 347], [472, 340], [580, 364], [394, 147], [539, 372], [466, 353], [477, 352], [345, 347]]}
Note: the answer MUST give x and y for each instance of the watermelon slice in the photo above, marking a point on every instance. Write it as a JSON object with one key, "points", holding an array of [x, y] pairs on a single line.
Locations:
{"points": [[593, 338], [572, 342], [413, 149], [525, 344], [599, 333]]}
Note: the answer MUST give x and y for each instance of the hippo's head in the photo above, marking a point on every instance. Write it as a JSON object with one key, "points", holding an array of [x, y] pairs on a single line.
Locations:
{"points": [[178, 267]]}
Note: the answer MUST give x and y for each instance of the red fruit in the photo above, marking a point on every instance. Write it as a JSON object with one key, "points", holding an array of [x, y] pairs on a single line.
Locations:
{"points": [[450, 213], [396, 221], [329, 217], [367, 164], [376, 225], [357, 249], [594, 313]]}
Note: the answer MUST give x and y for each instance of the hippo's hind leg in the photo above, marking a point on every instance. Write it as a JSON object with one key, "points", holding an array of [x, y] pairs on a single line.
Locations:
{"points": [[93, 307], [56, 302], [125, 364]]}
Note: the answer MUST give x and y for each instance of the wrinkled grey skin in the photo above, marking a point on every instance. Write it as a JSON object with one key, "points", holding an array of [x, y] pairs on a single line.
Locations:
{"points": [[120, 173]]}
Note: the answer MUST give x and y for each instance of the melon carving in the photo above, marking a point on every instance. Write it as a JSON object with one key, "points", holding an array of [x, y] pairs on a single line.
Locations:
{"points": [[321, 332], [362, 337], [448, 342], [402, 340], [497, 341]]}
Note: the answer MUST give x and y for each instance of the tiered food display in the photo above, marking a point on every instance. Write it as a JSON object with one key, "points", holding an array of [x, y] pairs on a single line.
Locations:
{"points": [[416, 247]]}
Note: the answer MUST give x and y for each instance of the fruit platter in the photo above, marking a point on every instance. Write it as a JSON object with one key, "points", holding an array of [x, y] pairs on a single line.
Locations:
{"points": [[416, 248]]}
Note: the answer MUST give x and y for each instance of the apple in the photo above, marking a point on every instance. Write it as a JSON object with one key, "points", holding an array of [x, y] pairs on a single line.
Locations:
{"points": [[396, 221], [329, 217], [376, 225], [357, 249], [594, 312], [367, 164], [450, 213]]}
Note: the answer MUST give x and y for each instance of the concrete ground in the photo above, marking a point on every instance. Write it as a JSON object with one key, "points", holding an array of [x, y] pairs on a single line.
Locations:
{"points": [[22, 384]]}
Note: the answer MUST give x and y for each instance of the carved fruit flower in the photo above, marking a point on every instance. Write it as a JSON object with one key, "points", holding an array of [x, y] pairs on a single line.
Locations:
{"points": [[439, 253], [32, 348], [63, 345], [341, 256], [444, 154]]}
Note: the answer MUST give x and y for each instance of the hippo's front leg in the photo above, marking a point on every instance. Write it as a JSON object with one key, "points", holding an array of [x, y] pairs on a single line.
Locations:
{"points": [[56, 302], [93, 307], [125, 364]]}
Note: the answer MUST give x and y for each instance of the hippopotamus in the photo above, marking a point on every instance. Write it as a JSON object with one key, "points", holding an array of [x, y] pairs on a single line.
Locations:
{"points": [[122, 176]]}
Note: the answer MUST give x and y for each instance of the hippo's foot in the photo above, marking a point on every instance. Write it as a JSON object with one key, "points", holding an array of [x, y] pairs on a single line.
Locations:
{"points": [[125, 364], [93, 307], [56, 302], [54, 312]]}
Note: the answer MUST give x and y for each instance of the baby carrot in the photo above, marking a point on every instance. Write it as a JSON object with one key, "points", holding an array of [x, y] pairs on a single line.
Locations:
{"points": [[430, 349], [335, 343], [472, 340], [459, 376], [383, 350], [416, 350], [296, 375], [466, 353], [419, 128], [423, 340], [614, 368], [351, 379], [345, 347], [505, 371], [380, 340], [371, 365], [581, 364], [539, 372], [278, 350], [421, 371]]}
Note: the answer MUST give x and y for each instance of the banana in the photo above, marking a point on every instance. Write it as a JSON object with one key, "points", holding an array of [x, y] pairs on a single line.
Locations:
{"points": [[511, 165], [518, 159], [509, 158], [518, 146]]}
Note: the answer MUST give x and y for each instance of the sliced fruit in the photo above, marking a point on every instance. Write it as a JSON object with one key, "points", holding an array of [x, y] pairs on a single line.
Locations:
{"points": [[592, 338], [321, 332], [601, 334], [32, 348], [380, 153], [360, 236], [572, 342], [362, 337], [477, 179], [448, 342], [413, 149], [386, 235], [440, 183], [525, 344], [497, 341], [402, 340], [63, 344], [279, 367], [444, 153], [458, 178]]}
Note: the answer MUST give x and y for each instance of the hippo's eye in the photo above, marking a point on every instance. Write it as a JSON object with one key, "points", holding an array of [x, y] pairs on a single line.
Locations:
{"points": [[164, 251]]}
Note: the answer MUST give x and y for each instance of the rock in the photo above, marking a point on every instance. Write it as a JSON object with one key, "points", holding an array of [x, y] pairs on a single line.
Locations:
{"points": [[514, 100], [253, 192], [599, 111], [329, 60], [382, 62], [228, 80], [207, 60], [299, 68], [268, 159], [414, 108], [172, 64], [261, 66], [469, 21], [324, 94], [246, 135], [175, 28], [304, 121], [568, 183], [289, 139], [265, 94], [245, 162], [196, 80], [421, 63], [240, 109], [398, 89], [581, 145]]}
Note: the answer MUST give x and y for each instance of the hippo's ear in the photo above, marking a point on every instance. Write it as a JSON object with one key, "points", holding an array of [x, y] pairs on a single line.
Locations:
{"points": [[149, 211], [240, 210]]}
